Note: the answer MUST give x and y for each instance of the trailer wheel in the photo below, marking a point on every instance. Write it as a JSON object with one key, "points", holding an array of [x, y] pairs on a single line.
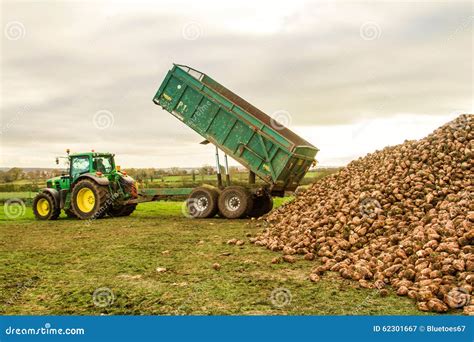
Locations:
{"points": [[202, 203], [45, 208], [261, 205], [235, 202]]}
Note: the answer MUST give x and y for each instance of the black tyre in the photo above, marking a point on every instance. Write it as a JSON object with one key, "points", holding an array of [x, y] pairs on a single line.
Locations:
{"points": [[89, 200], [235, 202], [123, 210], [261, 205], [268, 205], [69, 213], [202, 203], [45, 207]]}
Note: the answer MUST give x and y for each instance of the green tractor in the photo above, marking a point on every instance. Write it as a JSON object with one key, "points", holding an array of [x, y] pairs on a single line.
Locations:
{"points": [[92, 188]]}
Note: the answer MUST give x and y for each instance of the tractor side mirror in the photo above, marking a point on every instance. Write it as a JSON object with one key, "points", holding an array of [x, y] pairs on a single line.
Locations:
{"points": [[57, 161]]}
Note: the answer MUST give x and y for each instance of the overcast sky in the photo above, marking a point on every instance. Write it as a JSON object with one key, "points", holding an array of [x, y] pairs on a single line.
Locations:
{"points": [[350, 77]]}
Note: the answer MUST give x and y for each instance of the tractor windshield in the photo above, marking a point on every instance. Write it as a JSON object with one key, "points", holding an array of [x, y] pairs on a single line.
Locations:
{"points": [[104, 164], [80, 165]]}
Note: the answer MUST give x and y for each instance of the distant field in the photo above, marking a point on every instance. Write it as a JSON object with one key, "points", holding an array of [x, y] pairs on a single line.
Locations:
{"points": [[54, 267], [240, 177], [17, 194], [168, 181]]}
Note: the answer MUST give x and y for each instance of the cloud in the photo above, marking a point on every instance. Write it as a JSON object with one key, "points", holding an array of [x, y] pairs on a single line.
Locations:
{"points": [[307, 58]]}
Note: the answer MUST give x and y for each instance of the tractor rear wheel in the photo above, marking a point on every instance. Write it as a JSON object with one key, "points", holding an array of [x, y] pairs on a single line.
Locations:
{"points": [[89, 199], [202, 203], [45, 207], [235, 202], [261, 205], [69, 213], [123, 210]]}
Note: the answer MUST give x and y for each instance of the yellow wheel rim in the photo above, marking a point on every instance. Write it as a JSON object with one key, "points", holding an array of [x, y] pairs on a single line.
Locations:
{"points": [[42, 206], [85, 200]]}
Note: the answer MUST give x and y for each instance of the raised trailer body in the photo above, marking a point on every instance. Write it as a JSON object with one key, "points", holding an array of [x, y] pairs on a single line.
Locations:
{"points": [[273, 152]]}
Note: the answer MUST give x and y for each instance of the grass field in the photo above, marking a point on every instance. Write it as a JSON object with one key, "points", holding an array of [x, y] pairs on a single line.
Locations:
{"points": [[54, 267]]}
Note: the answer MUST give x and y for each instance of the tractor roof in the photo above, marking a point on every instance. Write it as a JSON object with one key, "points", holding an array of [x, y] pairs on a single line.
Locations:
{"points": [[92, 154]]}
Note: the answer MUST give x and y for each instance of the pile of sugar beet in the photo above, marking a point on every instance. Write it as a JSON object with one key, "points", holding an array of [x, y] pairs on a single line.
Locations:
{"points": [[401, 217]]}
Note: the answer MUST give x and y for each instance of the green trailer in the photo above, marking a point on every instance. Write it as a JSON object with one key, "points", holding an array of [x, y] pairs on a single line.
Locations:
{"points": [[268, 150]]}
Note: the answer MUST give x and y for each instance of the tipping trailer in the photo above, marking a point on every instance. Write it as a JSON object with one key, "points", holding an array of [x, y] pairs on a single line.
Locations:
{"points": [[93, 187], [268, 150]]}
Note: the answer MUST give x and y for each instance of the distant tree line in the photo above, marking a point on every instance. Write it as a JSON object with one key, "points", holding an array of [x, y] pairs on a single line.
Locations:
{"points": [[16, 174], [151, 174], [141, 174], [17, 179]]}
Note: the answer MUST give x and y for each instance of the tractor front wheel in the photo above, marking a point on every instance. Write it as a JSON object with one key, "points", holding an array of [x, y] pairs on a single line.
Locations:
{"points": [[89, 200], [235, 202], [45, 207]]}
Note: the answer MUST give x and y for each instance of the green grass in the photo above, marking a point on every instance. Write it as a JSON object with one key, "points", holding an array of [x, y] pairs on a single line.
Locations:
{"points": [[54, 267]]}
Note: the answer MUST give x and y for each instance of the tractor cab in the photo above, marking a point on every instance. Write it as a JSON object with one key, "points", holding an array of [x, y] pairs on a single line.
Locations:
{"points": [[79, 164], [91, 162]]}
